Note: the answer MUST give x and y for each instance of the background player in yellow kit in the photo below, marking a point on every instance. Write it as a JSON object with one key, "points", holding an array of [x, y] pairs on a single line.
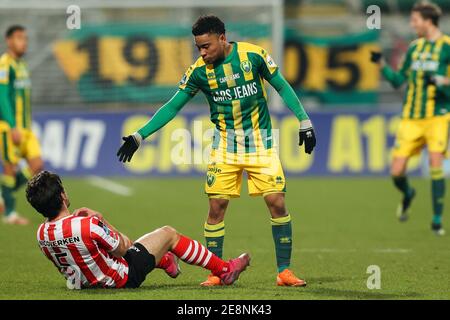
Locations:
{"points": [[231, 75], [16, 138], [427, 101]]}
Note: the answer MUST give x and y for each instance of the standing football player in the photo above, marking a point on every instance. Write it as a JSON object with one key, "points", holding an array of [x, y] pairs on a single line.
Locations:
{"points": [[426, 103], [17, 141], [231, 75]]}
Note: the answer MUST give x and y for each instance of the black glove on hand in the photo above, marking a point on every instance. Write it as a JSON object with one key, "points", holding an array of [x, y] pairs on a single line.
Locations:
{"points": [[306, 135], [429, 79], [375, 57], [129, 147]]}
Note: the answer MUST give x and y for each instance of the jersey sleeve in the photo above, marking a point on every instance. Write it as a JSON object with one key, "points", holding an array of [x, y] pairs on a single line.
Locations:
{"points": [[397, 78], [103, 236], [266, 65], [188, 83], [6, 110]]}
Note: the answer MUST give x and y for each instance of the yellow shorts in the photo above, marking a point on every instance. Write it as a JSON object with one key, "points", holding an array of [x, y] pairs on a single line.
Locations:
{"points": [[10, 153], [264, 173], [414, 134]]}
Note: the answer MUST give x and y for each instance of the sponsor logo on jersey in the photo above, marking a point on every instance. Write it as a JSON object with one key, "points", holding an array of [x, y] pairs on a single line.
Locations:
{"points": [[246, 66], [240, 92], [59, 243], [425, 65], [22, 83], [230, 77]]}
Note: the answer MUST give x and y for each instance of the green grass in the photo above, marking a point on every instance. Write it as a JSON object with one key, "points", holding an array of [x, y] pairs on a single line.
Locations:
{"points": [[341, 226]]}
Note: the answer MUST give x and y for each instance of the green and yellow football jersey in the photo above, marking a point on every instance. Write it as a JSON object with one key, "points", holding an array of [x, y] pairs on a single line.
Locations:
{"points": [[234, 89], [423, 60], [15, 89]]}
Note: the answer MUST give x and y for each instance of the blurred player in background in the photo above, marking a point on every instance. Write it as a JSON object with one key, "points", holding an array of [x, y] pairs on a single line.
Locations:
{"points": [[90, 252], [17, 141], [231, 75], [427, 101]]}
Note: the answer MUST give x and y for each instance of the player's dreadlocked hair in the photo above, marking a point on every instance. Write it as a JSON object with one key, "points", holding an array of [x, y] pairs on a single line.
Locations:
{"points": [[428, 10], [44, 193], [11, 29], [208, 24]]}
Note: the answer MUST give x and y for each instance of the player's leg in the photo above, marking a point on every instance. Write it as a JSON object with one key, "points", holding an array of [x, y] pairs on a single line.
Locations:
{"points": [[165, 239], [437, 190], [400, 180], [437, 140], [8, 181], [266, 178], [223, 181], [31, 151], [282, 237], [409, 141], [215, 223]]}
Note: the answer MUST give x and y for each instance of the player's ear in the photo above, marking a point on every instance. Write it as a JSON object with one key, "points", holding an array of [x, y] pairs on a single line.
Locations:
{"points": [[65, 198]]}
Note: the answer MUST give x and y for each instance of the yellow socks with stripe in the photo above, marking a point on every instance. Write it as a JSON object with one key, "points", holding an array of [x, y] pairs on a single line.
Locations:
{"points": [[437, 193], [215, 235], [7, 185], [282, 237], [22, 177]]}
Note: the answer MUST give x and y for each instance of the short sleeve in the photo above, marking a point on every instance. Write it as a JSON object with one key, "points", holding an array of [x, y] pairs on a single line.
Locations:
{"points": [[267, 66], [188, 83], [103, 236]]}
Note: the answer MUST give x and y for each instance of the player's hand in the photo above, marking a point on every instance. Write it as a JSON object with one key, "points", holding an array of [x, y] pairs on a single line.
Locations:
{"points": [[376, 56], [129, 147], [436, 80], [306, 135], [86, 212], [16, 136]]}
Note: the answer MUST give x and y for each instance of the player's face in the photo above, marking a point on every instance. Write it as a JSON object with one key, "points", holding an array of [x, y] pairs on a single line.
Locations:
{"points": [[18, 42], [211, 46], [419, 24]]}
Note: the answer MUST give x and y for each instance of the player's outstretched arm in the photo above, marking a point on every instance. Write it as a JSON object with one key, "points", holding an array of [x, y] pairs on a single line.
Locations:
{"points": [[287, 93], [166, 113], [396, 78]]}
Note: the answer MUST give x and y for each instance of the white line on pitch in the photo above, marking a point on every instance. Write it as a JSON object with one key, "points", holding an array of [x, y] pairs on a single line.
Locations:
{"points": [[110, 186], [392, 250]]}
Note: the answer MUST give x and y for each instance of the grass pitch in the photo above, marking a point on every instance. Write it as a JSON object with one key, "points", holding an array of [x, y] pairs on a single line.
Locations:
{"points": [[341, 226]]}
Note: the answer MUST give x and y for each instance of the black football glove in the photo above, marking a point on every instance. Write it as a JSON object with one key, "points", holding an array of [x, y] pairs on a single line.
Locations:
{"points": [[375, 57], [435, 80], [429, 79], [129, 147], [306, 135]]}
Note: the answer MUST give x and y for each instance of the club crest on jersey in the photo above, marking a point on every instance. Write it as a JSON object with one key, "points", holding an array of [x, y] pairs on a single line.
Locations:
{"points": [[246, 66], [210, 179], [210, 75]]}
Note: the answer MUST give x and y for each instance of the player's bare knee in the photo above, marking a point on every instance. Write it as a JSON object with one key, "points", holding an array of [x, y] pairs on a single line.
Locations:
{"points": [[169, 230], [217, 210], [277, 210]]}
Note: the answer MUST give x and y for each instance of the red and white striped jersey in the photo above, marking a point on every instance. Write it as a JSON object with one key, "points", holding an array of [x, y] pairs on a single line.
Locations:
{"points": [[80, 248]]}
